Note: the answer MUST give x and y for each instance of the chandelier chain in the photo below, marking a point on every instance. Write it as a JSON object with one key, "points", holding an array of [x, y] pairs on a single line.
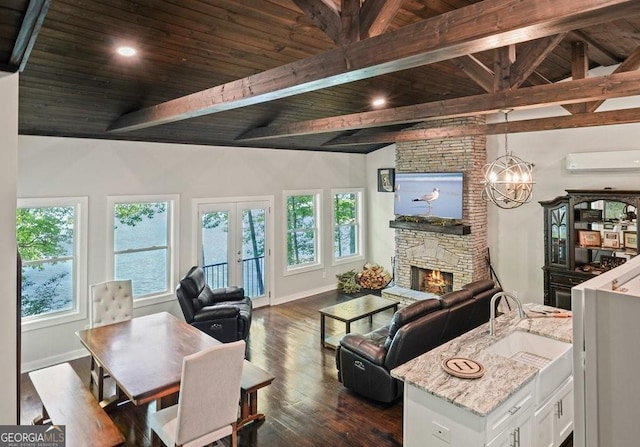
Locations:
{"points": [[506, 132]]}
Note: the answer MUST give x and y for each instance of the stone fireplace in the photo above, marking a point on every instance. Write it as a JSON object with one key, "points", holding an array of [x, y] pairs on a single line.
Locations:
{"points": [[433, 281], [463, 254]]}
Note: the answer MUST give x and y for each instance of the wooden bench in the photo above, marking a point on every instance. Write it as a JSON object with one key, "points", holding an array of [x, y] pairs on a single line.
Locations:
{"points": [[67, 401], [253, 378]]}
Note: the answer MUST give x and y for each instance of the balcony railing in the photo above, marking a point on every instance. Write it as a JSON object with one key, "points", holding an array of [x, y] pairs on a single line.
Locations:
{"points": [[253, 269]]}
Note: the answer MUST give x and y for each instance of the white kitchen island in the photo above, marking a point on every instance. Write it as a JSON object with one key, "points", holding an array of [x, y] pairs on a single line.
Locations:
{"points": [[508, 406]]}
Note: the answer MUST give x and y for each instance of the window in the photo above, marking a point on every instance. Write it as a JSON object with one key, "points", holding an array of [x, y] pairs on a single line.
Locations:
{"points": [[51, 240], [347, 225], [302, 210], [142, 248]]}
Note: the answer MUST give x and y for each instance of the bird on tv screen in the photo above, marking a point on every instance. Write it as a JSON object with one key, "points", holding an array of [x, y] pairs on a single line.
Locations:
{"points": [[429, 194]]}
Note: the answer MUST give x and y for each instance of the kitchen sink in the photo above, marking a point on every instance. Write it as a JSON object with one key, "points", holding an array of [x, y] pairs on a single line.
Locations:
{"points": [[552, 358]]}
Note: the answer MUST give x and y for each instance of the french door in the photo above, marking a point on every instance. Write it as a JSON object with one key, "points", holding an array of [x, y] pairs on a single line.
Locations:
{"points": [[234, 248]]}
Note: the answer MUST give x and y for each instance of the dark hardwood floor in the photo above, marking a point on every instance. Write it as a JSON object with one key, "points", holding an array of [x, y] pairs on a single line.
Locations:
{"points": [[304, 406]]}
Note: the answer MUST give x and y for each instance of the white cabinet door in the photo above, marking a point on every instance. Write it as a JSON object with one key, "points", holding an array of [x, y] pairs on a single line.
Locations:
{"points": [[525, 435], [517, 435], [544, 423], [554, 419], [565, 420], [504, 439]]}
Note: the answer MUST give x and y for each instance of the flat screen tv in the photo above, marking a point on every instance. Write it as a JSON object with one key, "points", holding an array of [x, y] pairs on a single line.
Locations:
{"points": [[429, 194]]}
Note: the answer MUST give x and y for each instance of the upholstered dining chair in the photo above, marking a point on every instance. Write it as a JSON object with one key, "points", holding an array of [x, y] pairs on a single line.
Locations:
{"points": [[207, 408], [111, 302]]}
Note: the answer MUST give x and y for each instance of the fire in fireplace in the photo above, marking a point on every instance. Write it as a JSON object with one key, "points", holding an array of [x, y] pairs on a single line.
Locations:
{"points": [[431, 280]]}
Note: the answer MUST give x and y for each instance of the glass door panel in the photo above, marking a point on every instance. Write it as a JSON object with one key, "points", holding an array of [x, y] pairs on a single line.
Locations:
{"points": [[233, 244], [215, 247], [558, 223], [253, 249]]}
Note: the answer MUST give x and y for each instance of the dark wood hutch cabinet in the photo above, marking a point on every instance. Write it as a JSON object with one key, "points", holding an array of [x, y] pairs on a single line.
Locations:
{"points": [[586, 232]]}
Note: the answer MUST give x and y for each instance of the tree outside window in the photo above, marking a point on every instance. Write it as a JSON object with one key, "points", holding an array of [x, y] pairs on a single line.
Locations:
{"points": [[46, 238], [346, 234], [302, 230]]}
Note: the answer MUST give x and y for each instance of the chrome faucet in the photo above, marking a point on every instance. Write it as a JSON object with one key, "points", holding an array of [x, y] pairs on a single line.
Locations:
{"points": [[492, 309]]}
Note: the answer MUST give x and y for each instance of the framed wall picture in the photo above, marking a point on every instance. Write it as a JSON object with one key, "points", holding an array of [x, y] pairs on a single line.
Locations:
{"points": [[611, 239], [589, 238], [386, 179], [630, 239]]}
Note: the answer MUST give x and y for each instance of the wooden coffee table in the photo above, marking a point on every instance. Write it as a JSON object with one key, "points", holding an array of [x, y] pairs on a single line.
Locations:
{"points": [[350, 311]]}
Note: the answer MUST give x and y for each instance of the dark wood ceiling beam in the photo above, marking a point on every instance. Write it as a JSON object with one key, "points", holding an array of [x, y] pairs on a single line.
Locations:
{"points": [[537, 79], [350, 18], [352, 22], [579, 60], [590, 89], [631, 63], [523, 67], [324, 15], [376, 16], [477, 71], [533, 56], [481, 26], [597, 52], [579, 70], [625, 116], [33, 18], [504, 59]]}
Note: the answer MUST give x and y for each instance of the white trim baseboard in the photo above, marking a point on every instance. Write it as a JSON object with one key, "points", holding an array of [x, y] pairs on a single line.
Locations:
{"points": [[53, 360], [299, 295]]}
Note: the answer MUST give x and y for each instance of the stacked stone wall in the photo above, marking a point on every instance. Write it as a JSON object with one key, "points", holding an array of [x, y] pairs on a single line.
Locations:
{"points": [[463, 255]]}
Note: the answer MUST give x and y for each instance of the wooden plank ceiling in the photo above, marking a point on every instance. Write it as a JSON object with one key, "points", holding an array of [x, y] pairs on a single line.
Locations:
{"points": [[301, 74]]}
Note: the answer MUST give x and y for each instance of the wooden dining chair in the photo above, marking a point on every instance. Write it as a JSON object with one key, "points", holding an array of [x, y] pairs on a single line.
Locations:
{"points": [[111, 302], [207, 408]]}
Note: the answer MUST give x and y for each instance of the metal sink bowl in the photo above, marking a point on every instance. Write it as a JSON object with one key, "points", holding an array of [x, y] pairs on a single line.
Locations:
{"points": [[553, 358]]}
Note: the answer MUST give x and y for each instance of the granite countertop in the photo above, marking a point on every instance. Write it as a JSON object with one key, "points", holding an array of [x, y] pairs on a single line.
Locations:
{"points": [[502, 377]]}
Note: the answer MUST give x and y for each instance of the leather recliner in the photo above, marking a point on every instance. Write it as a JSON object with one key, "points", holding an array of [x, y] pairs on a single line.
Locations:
{"points": [[223, 313], [365, 361]]}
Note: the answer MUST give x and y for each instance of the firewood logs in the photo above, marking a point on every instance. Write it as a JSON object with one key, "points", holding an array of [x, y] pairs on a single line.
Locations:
{"points": [[373, 276]]}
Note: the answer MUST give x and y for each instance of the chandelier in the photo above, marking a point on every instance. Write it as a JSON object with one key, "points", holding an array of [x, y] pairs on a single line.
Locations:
{"points": [[508, 181]]}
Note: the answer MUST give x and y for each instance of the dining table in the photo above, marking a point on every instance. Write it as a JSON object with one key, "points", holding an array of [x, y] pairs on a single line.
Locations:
{"points": [[144, 355]]}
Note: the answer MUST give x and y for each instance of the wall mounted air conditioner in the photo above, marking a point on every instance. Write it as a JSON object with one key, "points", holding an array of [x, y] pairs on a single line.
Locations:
{"points": [[603, 161]]}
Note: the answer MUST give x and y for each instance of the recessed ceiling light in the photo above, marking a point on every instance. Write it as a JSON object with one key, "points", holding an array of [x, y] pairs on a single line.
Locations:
{"points": [[126, 51], [379, 102]]}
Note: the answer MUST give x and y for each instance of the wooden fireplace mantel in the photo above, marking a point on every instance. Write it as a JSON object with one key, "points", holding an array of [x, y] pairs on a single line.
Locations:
{"points": [[459, 229]]}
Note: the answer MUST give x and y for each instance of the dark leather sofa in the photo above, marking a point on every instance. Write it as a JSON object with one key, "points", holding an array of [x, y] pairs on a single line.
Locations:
{"points": [[224, 313], [364, 361]]}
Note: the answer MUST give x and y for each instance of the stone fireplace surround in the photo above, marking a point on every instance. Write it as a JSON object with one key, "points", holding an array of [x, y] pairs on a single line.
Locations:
{"points": [[462, 254]]}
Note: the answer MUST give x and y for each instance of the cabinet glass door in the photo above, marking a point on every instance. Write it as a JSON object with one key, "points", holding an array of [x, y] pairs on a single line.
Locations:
{"points": [[558, 224]]}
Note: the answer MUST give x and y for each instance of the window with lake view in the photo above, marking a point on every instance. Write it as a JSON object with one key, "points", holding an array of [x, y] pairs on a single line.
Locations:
{"points": [[142, 244], [47, 235]]}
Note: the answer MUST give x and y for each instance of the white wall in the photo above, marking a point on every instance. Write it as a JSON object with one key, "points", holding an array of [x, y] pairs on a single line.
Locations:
{"points": [[53, 167], [380, 237], [516, 236], [8, 161]]}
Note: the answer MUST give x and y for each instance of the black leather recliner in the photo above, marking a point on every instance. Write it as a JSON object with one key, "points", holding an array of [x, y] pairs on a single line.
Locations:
{"points": [[224, 314], [365, 361]]}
